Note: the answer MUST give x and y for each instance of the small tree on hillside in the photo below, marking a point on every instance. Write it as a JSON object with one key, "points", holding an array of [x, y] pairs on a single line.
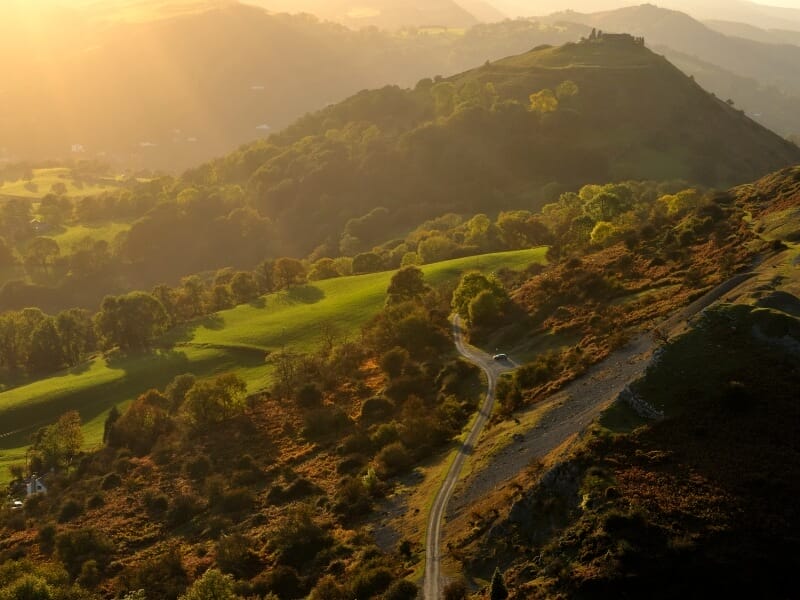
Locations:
{"points": [[407, 284]]}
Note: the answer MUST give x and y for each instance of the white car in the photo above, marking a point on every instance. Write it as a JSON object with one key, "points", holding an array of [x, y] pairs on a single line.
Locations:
{"points": [[500, 357], [16, 505]]}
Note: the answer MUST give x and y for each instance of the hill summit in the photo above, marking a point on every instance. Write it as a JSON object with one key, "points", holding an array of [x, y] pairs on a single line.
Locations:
{"points": [[504, 135]]}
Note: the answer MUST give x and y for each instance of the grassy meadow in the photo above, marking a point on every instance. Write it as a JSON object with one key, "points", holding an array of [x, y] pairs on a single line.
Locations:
{"points": [[44, 179], [233, 340]]}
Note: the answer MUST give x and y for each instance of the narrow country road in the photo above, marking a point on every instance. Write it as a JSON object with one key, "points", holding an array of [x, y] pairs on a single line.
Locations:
{"points": [[493, 369]]}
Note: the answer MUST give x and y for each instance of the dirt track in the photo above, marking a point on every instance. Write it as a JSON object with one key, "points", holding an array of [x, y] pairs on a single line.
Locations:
{"points": [[572, 409]]}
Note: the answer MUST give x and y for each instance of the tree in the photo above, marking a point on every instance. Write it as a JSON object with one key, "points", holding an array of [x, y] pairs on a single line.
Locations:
{"points": [[484, 309], [324, 268], [6, 254], [407, 284], [56, 445], [543, 102], [394, 361], [213, 585], [131, 322], [177, 390], [212, 402], [455, 590], [76, 332], [498, 590], [142, 424], [244, 287], [471, 285], [112, 417], [367, 262], [436, 248], [41, 252], [46, 350], [288, 272], [567, 89]]}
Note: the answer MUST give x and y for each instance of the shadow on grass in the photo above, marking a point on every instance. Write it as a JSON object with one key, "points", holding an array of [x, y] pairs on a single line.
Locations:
{"points": [[185, 331], [140, 372], [307, 294]]}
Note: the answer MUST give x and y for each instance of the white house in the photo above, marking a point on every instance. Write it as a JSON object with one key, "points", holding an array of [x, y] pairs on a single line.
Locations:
{"points": [[35, 485]]}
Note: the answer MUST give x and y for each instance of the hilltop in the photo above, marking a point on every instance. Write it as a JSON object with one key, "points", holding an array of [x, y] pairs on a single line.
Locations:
{"points": [[771, 64], [476, 141]]}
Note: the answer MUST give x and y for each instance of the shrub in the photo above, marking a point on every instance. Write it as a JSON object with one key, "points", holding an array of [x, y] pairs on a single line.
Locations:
{"points": [[28, 587], [309, 396], [394, 361], [198, 469], [95, 502], [376, 410], [90, 574], [236, 500], [155, 503], [282, 581], [402, 589], [111, 481], [298, 538], [394, 458], [69, 510], [76, 547], [47, 537], [351, 465], [234, 556], [163, 576], [212, 585], [455, 590], [369, 583], [385, 434], [352, 498], [324, 422], [184, 508]]}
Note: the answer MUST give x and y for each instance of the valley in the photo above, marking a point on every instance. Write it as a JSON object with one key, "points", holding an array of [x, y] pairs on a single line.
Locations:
{"points": [[398, 301]]}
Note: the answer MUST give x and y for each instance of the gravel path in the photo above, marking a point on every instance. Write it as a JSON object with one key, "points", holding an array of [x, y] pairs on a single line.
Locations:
{"points": [[570, 410]]}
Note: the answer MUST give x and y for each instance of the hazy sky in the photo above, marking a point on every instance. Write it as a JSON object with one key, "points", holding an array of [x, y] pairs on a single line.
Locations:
{"points": [[788, 3]]}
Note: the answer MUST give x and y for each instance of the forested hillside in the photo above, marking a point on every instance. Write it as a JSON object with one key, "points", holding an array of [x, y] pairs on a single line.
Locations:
{"points": [[510, 134], [175, 91]]}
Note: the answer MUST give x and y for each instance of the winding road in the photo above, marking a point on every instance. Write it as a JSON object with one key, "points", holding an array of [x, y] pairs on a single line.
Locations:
{"points": [[433, 542], [570, 410]]}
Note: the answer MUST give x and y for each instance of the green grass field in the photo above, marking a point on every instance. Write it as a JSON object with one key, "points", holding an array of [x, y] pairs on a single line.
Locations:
{"points": [[44, 179], [70, 235], [233, 340]]}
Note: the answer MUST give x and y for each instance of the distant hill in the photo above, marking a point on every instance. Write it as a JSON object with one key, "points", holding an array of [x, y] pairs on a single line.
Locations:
{"points": [[765, 104], [386, 14], [176, 91], [749, 32], [471, 143], [741, 11], [770, 64]]}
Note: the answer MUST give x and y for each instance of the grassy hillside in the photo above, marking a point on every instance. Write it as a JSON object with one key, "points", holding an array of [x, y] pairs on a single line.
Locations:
{"points": [[233, 340], [42, 181]]}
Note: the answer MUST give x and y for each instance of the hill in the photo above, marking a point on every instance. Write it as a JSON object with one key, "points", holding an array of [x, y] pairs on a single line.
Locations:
{"points": [[771, 64], [169, 91], [474, 142], [740, 11], [385, 14], [750, 32], [696, 489], [234, 340]]}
